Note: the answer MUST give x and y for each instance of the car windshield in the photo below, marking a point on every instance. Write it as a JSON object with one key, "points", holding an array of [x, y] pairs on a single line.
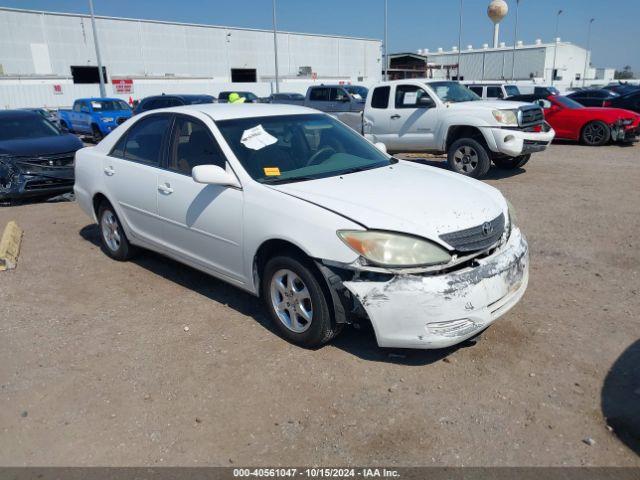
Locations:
{"points": [[31, 126], [109, 105], [512, 90], [567, 102], [362, 92], [290, 148], [453, 92], [248, 95]]}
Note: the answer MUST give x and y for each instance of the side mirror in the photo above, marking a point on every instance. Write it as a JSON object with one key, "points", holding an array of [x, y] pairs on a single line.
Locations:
{"points": [[544, 103], [426, 102], [213, 175], [381, 146]]}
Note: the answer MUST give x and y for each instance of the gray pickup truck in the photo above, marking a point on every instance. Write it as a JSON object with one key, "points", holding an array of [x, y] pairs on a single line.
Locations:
{"points": [[345, 102]]}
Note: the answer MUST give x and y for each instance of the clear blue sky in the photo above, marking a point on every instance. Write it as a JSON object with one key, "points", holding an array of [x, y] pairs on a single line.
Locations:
{"points": [[413, 24]]}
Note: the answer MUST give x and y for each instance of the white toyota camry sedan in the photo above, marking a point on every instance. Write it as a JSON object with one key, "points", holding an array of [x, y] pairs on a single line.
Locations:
{"points": [[293, 206]]}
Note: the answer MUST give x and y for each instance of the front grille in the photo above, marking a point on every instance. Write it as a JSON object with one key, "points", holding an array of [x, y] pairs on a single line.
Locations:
{"points": [[34, 185], [530, 116], [57, 160], [476, 238]]}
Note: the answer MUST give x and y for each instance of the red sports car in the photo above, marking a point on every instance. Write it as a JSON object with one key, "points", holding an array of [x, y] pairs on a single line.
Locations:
{"points": [[590, 125]]}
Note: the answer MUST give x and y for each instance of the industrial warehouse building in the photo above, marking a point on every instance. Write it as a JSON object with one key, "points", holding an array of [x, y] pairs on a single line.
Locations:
{"points": [[532, 62], [49, 58]]}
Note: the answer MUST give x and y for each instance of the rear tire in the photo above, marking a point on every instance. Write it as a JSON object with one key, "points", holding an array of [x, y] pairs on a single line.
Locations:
{"points": [[294, 296], [112, 237], [595, 134], [510, 163], [468, 157]]}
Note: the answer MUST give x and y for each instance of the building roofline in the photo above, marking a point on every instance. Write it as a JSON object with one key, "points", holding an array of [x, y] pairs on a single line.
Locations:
{"points": [[500, 49], [183, 24]]}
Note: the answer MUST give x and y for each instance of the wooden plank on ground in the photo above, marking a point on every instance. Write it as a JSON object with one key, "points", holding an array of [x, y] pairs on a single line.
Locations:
{"points": [[10, 246]]}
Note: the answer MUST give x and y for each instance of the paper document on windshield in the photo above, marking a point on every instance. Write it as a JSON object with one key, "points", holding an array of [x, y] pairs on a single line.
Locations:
{"points": [[257, 137], [410, 98]]}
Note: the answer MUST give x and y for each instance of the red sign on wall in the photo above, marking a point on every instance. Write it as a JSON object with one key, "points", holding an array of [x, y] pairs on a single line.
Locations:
{"points": [[122, 85], [57, 89]]}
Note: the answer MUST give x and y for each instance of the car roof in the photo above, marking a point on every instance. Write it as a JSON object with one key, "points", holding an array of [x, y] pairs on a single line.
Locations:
{"points": [[11, 114], [229, 111], [96, 99]]}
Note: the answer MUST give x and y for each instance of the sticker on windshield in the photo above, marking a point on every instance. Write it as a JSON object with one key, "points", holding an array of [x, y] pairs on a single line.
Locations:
{"points": [[96, 105], [356, 96], [410, 98], [271, 171], [257, 137]]}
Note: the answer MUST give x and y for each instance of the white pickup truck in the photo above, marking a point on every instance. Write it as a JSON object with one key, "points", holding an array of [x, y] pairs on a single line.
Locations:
{"points": [[446, 117]]}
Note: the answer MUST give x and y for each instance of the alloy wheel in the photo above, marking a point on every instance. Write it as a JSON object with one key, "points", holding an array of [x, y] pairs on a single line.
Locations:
{"points": [[110, 231], [466, 159], [291, 300], [594, 133]]}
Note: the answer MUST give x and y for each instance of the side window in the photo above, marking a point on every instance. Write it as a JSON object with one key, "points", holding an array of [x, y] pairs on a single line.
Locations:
{"points": [[476, 90], [380, 97], [118, 150], [407, 96], [494, 92], [192, 144], [144, 140], [338, 95], [319, 95], [84, 107], [77, 106]]}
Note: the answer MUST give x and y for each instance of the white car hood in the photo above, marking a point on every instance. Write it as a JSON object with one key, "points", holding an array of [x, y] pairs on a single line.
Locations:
{"points": [[405, 197]]}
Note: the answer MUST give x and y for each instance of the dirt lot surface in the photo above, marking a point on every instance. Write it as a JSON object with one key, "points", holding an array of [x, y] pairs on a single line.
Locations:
{"points": [[96, 367]]}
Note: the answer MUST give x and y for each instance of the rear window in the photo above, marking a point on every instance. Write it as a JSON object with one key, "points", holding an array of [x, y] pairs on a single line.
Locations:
{"points": [[319, 94], [380, 97], [494, 92]]}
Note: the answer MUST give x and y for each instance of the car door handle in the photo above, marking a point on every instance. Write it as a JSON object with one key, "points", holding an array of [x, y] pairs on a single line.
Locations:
{"points": [[165, 188], [109, 171], [394, 117]]}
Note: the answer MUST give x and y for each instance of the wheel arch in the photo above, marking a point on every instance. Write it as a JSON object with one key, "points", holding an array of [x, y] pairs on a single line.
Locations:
{"points": [[456, 132], [332, 284]]}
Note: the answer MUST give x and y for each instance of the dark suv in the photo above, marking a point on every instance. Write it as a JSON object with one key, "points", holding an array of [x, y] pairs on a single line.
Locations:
{"points": [[166, 101]]}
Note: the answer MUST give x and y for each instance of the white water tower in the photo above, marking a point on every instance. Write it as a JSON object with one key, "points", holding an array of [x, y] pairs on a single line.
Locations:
{"points": [[496, 11]]}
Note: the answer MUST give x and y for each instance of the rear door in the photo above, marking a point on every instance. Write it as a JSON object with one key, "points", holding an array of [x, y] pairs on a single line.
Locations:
{"points": [[376, 115], [411, 127], [202, 223], [319, 99], [131, 175]]}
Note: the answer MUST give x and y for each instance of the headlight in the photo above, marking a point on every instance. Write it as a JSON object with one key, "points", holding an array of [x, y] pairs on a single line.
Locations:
{"points": [[627, 121], [506, 117], [107, 119], [393, 249]]}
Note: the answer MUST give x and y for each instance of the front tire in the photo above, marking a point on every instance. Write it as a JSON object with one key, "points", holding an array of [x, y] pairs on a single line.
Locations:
{"points": [[469, 157], [511, 163], [595, 134], [293, 294], [96, 134], [112, 237]]}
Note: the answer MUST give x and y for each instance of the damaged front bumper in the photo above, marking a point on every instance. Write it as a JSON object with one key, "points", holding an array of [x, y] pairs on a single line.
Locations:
{"points": [[437, 311], [28, 177]]}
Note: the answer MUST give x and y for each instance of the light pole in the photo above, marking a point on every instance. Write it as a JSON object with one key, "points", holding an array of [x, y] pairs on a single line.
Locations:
{"points": [[555, 50], [587, 53], [103, 91], [515, 39], [459, 39], [386, 51], [275, 46]]}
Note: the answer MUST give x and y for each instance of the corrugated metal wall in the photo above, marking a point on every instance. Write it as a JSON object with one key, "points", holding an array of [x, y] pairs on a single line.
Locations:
{"points": [[135, 47]]}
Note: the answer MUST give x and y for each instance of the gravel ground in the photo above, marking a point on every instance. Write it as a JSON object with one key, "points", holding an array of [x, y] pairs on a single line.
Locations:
{"points": [[96, 367]]}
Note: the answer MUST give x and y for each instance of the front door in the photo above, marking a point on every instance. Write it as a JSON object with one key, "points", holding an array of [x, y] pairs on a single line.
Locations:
{"points": [[203, 223], [131, 176], [411, 125]]}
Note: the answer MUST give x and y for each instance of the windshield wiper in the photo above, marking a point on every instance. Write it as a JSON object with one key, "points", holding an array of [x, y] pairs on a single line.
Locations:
{"points": [[278, 181]]}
